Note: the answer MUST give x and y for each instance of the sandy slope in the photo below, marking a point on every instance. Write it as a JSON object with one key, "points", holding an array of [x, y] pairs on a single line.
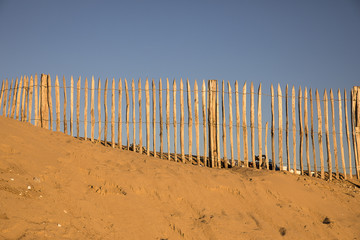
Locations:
{"points": [[81, 190]]}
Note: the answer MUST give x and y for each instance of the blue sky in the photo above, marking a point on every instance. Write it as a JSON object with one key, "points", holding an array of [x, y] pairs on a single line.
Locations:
{"points": [[300, 43], [309, 43]]}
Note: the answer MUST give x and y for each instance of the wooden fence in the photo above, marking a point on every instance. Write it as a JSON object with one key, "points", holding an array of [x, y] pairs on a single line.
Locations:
{"points": [[41, 103]]}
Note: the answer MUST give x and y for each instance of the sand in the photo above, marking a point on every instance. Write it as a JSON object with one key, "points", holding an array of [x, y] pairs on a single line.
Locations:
{"points": [[53, 186]]}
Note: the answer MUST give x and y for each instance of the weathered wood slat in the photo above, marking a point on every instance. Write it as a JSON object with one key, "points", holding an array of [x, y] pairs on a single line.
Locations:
{"points": [[182, 121], [287, 127], [31, 91], [224, 125], [133, 114], [147, 105], [24, 97], [244, 126], [105, 112], [11, 87], [49, 101], [18, 100], [44, 103], [347, 134], [312, 132], [321, 154], [231, 127], [127, 114], [197, 131], [266, 148], [259, 127], [119, 112], [334, 133], [168, 117], [341, 135], [7, 92], [326, 115], [2, 92], [204, 120], [78, 108], [301, 132], [273, 128], [357, 130], [113, 113], [306, 127], [218, 127], [252, 122], [71, 106], [353, 125], [161, 119], [293, 126], [65, 103], [26, 114], [99, 109], [140, 116], [189, 120], [36, 101], [13, 107], [57, 103], [92, 108], [154, 116], [212, 122], [85, 107], [280, 128]]}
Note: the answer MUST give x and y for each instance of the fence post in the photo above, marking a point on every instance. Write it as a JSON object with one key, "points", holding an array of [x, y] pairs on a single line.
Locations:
{"points": [[44, 115], [213, 151]]}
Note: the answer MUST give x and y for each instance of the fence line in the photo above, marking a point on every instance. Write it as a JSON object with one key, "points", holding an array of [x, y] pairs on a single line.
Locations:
{"points": [[16, 101]]}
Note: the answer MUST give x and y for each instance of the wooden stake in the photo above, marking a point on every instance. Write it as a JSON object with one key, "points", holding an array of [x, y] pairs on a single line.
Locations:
{"points": [[280, 128], [353, 125], [174, 120], [9, 97], [196, 109], [322, 173], [244, 126], [204, 120], [287, 127], [140, 116], [182, 121], [78, 108], [71, 106], [49, 97], [113, 114], [252, 120], [65, 101], [273, 128], [7, 92], [357, 131], [293, 126], [189, 120], [341, 135], [105, 112], [224, 125], [312, 132], [133, 114], [13, 107], [2, 92], [218, 126], [31, 89], [44, 103], [266, 149], [347, 134], [259, 127], [85, 108], [99, 109], [168, 116], [127, 114], [327, 135], [154, 116], [24, 97], [306, 124], [212, 84], [301, 132], [231, 127], [119, 114], [17, 115], [147, 117], [92, 108], [57, 103], [36, 107], [161, 119], [334, 133]]}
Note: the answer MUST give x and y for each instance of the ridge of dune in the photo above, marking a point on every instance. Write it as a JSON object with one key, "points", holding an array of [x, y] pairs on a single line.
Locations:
{"points": [[54, 186]]}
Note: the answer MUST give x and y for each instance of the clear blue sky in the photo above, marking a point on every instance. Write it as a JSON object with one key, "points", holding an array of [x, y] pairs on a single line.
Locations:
{"points": [[313, 43]]}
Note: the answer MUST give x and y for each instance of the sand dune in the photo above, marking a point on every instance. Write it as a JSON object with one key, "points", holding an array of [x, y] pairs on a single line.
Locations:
{"points": [[53, 186]]}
